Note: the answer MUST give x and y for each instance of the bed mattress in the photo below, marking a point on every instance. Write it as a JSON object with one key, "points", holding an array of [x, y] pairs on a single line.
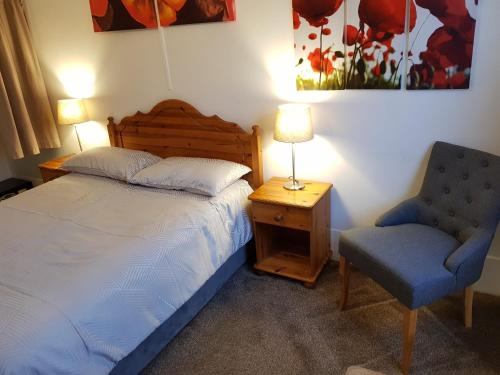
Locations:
{"points": [[89, 267]]}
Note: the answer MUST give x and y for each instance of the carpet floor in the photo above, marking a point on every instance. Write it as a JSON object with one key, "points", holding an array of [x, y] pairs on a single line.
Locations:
{"points": [[269, 325]]}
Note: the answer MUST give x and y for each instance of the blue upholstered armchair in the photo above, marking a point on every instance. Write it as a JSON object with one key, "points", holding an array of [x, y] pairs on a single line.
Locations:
{"points": [[434, 244]]}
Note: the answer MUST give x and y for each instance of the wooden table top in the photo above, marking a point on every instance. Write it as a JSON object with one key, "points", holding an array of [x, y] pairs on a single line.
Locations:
{"points": [[274, 192], [55, 164]]}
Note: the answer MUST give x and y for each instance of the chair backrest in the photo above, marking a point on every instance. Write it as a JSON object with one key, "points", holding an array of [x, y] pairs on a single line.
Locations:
{"points": [[461, 190]]}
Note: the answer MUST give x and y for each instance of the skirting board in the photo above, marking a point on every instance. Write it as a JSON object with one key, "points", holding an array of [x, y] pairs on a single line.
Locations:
{"points": [[489, 283]]}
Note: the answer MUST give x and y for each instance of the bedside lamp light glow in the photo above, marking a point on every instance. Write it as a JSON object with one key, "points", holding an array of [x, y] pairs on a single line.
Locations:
{"points": [[293, 125], [72, 112]]}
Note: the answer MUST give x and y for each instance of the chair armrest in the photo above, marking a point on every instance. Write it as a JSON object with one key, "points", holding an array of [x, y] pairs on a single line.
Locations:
{"points": [[475, 247], [404, 213]]}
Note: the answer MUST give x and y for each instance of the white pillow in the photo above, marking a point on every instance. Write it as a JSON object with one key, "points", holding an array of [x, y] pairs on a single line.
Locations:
{"points": [[112, 162], [196, 175]]}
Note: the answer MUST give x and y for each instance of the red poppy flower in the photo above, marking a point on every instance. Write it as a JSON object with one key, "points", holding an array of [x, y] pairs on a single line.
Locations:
{"points": [[143, 11], [387, 15], [351, 35], [367, 45], [316, 11], [458, 81], [296, 20], [327, 31], [376, 71], [317, 59], [99, 8], [453, 14], [446, 48], [378, 36], [439, 80], [313, 36]]}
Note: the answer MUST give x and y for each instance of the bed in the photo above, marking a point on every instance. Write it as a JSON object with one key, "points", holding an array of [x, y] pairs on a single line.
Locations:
{"points": [[97, 276]]}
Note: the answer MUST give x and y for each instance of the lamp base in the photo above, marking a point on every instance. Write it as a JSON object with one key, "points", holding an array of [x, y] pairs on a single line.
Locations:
{"points": [[294, 185]]}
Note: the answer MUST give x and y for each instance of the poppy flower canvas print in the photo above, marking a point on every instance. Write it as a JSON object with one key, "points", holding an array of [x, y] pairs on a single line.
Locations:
{"points": [[441, 45], [375, 41], [112, 15], [319, 50], [383, 44]]}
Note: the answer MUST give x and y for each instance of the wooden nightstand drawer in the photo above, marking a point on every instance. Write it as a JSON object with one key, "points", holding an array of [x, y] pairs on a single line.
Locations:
{"points": [[290, 217]]}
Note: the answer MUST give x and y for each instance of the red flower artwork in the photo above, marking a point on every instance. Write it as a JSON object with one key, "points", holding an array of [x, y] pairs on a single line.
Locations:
{"points": [[138, 14], [364, 45], [447, 60]]}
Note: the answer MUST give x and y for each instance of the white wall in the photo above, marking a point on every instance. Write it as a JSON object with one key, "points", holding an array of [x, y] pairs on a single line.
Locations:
{"points": [[371, 145]]}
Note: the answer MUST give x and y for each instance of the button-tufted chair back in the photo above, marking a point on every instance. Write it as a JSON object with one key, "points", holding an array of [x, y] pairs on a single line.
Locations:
{"points": [[461, 191]]}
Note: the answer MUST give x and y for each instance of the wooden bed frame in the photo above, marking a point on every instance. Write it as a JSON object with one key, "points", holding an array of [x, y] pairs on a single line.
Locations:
{"points": [[176, 128]]}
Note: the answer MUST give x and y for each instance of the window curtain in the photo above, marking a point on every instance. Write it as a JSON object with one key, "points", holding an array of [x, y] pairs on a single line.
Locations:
{"points": [[26, 119]]}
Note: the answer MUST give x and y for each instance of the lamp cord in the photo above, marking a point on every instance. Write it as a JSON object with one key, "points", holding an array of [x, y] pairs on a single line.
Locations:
{"points": [[78, 138]]}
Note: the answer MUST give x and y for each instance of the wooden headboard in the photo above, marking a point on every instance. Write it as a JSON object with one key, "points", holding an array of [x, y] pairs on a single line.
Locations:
{"points": [[176, 128]]}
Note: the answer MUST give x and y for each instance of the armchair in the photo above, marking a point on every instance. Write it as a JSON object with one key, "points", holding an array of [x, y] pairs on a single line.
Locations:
{"points": [[434, 244]]}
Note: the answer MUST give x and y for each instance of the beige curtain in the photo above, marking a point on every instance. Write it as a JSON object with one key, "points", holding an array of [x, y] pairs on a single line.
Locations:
{"points": [[26, 120]]}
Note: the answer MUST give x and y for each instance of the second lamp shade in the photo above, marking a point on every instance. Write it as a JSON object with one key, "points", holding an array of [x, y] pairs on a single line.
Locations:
{"points": [[293, 123]]}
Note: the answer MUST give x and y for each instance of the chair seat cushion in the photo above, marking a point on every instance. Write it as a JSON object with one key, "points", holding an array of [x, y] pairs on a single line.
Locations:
{"points": [[407, 260]]}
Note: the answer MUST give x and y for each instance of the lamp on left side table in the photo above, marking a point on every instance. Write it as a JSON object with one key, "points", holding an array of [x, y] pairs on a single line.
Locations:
{"points": [[72, 112]]}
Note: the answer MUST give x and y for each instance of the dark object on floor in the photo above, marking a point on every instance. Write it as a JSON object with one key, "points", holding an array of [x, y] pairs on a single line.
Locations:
{"points": [[13, 186], [434, 244], [270, 325]]}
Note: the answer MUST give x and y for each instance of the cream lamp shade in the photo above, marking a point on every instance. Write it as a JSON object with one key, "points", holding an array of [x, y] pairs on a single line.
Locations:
{"points": [[293, 123], [71, 112]]}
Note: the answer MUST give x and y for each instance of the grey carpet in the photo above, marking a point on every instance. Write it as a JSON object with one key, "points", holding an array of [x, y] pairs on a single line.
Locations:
{"points": [[269, 325]]}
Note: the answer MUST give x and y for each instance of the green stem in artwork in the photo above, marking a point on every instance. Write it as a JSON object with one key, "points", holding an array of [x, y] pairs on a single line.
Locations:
{"points": [[356, 50], [418, 32], [320, 57], [395, 74]]}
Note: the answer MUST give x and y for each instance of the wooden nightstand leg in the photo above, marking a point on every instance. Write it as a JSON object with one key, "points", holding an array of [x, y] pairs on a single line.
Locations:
{"points": [[258, 272], [344, 271]]}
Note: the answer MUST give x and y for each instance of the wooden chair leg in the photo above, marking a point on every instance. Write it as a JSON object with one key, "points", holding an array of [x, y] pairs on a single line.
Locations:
{"points": [[344, 271], [409, 329], [468, 301]]}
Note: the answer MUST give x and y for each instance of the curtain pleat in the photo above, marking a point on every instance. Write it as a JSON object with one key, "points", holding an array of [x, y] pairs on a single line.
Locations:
{"points": [[26, 120]]}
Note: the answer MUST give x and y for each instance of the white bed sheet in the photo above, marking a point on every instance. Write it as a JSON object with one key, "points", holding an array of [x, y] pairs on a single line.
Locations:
{"points": [[89, 267]]}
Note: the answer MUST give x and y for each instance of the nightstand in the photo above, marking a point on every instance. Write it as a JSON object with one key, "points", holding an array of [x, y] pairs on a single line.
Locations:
{"points": [[292, 229], [51, 169]]}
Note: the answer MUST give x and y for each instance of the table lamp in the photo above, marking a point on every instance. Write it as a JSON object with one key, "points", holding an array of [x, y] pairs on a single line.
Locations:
{"points": [[293, 125], [72, 112]]}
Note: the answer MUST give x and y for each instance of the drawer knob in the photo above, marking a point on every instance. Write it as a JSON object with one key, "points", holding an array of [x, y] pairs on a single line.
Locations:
{"points": [[279, 218]]}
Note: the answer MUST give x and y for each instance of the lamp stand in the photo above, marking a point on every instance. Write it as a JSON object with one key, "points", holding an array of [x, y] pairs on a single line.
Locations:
{"points": [[294, 185], [78, 137]]}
